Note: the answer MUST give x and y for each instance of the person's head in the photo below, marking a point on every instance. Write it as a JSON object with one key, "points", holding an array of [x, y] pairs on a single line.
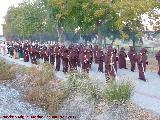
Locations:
{"points": [[143, 51], [122, 49]]}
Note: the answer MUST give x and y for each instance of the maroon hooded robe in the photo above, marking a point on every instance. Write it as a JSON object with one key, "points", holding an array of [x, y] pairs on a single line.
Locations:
{"points": [[37, 51], [58, 57], [26, 52], [96, 50], [65, 59], [142, 62], [91, 54], [158, 59], [85, 60], [122, 58], [51, 54], [133, 57], [110, 71], [45, 54], [32, 52], [73, 58], [115, 58], [80, 48], [100, 60]]}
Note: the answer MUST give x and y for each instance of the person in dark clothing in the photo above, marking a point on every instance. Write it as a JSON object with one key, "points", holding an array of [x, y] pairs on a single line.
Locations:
{"points": [[73, 58], [110, 71], [133, 58], [26, 52], [96, 50], [85, 57], [51, 54], [65, 59], [58, 57], [142, 62], [101, 57], [158, 59], [122, 58]]}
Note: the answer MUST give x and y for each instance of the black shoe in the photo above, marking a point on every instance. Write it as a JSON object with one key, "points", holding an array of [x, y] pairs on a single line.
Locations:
{"points": [[143, 79]]}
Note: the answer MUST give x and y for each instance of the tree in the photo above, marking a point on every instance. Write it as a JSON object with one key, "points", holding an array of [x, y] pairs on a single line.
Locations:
{"points": [[130, 12]]}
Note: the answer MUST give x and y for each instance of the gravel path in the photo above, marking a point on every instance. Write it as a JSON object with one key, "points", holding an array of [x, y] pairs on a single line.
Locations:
{"points": [[12, 104]]}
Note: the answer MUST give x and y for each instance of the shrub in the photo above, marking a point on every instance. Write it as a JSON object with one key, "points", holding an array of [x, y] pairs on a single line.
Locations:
{"points": [[41, 76], [44, 91], [119, 92], [79, 83], [45, 98], [6, 71]]}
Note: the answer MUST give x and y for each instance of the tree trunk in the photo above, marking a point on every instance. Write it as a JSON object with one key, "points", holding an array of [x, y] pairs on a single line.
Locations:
{"points": [[105, 42], [98, 24], [113, 42], [60, 34], [134, 43], [40, 37]]}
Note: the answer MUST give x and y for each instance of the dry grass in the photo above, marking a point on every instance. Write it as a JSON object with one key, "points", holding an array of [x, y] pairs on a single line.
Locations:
{"points": [[45, 91], [45, 98], [6, 71], [138, 113], [152, 64], [41, 76]]}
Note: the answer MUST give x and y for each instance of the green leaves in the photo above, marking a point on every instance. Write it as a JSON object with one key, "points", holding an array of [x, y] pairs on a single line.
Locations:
{"points": [[27, 18], [103, 17]]}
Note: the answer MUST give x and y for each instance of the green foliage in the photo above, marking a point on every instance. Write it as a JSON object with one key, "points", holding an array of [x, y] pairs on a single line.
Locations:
{"points": [[119, 92], [77, 82], [26, 19], [92, 16]]}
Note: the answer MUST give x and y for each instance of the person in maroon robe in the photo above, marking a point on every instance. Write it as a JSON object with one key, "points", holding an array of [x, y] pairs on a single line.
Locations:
{"points": [[26, 52], [16, 46], [51, 55], [73, 59], [122, 58], [101, 57], [91, 54], [65, 59], [37, 51], [133, 58], [110, 71], [32, 52], [80, 48], [115, 56], [142, 62], [77, 55], [45, 54], [70, 47], [158, 59], [58, 56], [41, 52], [85, 60], [96, 50]]}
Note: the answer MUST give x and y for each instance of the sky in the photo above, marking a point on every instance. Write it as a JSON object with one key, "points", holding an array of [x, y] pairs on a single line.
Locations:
{"points": [[4, 5]]}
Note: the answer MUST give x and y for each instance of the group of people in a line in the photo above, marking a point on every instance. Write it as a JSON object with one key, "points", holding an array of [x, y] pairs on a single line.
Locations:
{"points": [[80, 55]]}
